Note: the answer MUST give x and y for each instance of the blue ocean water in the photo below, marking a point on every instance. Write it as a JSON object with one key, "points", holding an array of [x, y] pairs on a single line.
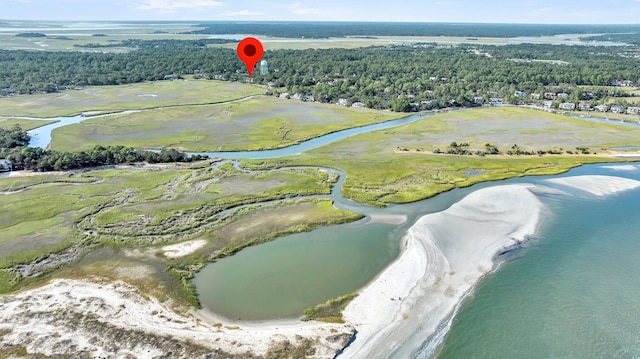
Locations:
{"points": [[573, 293]]}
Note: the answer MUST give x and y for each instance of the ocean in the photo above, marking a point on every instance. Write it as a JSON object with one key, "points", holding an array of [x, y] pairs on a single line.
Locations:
{"points": [[572, 292]]}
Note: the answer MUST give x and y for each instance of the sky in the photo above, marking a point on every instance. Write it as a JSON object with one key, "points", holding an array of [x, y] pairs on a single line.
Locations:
{"points": [[477, 11]]}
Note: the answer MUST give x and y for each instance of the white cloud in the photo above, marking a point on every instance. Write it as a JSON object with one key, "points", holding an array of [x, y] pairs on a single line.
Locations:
{"points": [[242, 13], [171, 5], [296, 9]]}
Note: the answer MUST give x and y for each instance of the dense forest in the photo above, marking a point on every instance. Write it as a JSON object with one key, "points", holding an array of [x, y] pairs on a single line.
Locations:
{"points": [[628, 38], [13, 147], [381, 77], [341, 29]]}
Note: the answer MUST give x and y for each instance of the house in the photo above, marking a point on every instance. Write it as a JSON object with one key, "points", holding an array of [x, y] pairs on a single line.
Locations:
{"points": [[519, 94], [585, 106], [616, 108], [602, 108], [550, 96], [170, 77], [478, 100], [563, 95], [297, 96], [547, 104], [627, 83], [5, 166], [358, 104], [535, 96], [309, 98], [343, 102], [633, 110], [433, 79], [569, 106], [284, 95], [495, 102]]}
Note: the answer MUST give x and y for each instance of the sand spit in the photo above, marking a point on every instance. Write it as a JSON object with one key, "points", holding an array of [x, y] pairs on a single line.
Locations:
{"points": [[444, 255], [622, 167], [596, 185], [396, 219], [101, 318], [182, 249]]}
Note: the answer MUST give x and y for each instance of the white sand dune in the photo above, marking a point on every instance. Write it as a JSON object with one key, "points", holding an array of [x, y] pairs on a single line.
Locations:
{"points": [[69, 316]]}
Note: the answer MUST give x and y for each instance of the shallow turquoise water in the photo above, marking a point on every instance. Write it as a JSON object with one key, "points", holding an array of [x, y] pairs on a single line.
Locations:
{"points": [[574, 294]]}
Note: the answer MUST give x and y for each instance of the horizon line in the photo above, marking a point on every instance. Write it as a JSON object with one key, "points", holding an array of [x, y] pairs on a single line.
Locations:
{"points": [[328, 21]]}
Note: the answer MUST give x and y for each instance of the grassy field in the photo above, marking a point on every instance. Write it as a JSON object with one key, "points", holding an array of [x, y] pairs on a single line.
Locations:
{"points": [[258, 123], [125, 97], [378, 173]]}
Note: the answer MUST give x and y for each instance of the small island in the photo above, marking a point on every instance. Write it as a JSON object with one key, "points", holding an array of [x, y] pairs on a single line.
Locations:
{"points": [[31, 34]]}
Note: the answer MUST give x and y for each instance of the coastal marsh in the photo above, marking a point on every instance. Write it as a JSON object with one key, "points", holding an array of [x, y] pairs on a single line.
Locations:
{"points": [[257, 123], [137, 96], [379, 173], [141, 208]]}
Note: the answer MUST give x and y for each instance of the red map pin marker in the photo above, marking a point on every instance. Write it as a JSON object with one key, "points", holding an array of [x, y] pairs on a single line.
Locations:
{"points": [[250, 51]]}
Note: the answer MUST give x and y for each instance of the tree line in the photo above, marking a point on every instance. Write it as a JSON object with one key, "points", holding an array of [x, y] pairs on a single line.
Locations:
{"points": [[342, 29], [13, 147], [382, 77]]}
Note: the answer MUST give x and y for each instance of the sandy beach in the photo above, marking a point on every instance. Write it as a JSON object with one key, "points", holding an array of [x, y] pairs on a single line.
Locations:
{"points": [[444, 254], [442, 257]]}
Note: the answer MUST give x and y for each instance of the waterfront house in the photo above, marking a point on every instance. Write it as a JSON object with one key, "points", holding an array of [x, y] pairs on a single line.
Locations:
{"points": [[550, 96], [602, 108], [633, 110], [358, 104], [616, 108], [569, 106], [563, 95], [585, 106], [5, 166]]}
